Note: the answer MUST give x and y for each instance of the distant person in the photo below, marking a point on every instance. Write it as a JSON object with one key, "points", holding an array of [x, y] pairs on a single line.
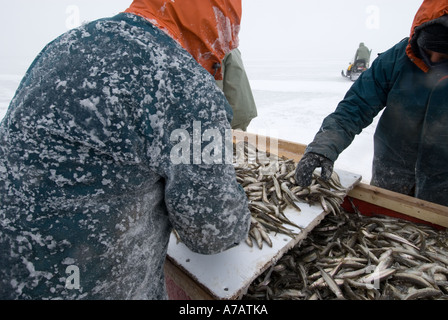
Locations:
{"points": [[361, 61], [362, 55], [237, 90], [410, 81], [89, 189]]}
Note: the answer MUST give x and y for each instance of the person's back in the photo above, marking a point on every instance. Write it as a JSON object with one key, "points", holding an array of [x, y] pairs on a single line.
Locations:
{"points": [[89, 191], [363, 54]]}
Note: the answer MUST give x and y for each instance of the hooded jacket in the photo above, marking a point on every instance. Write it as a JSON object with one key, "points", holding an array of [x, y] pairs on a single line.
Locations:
{"points": [[410, 142], [208, 31], [429, 13], [114, 137]]}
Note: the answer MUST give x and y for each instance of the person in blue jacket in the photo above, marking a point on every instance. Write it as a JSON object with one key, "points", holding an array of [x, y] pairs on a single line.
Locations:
{"points": [[91, 179], [410, 81]]}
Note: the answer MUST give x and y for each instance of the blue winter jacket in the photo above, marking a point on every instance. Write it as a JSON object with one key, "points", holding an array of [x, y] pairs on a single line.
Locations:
{"points": [[411, 139], [92, 175]]}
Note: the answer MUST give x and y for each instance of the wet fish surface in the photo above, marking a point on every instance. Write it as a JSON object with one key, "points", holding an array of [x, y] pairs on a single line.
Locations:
{"points": [[357, 257], [270, 186]]}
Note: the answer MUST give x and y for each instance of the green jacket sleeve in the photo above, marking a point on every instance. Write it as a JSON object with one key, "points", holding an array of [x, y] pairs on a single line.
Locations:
{"points": [[237, 90]]}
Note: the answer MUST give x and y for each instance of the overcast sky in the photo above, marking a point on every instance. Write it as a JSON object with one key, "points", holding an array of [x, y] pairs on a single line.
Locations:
{"points": [[271, 29], [298, 28]]}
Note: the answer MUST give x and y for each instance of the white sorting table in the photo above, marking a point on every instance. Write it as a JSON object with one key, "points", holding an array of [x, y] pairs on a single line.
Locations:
{"points": [[227, 275]]}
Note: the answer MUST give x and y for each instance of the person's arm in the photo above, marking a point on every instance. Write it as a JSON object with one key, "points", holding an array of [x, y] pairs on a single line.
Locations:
{"points": [[365, 99], [206, 205]]}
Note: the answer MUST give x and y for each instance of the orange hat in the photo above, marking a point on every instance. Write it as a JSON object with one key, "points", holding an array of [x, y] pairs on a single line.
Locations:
{"points": [[429, 10], [207, 29]]}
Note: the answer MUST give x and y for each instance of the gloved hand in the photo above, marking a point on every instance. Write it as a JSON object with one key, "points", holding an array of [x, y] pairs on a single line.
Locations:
{"points": [[306, 166]]}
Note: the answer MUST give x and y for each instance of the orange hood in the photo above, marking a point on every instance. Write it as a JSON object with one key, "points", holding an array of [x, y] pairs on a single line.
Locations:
{"points": [[207, 29], [428, 11]]}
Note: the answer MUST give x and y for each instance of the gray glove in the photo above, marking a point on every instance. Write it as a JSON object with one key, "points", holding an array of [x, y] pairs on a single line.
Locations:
{"points": [[306, 166]]}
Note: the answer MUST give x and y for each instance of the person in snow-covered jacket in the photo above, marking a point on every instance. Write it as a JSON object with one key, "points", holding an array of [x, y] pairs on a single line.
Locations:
{"points": [[410, 81], [107, 146]]}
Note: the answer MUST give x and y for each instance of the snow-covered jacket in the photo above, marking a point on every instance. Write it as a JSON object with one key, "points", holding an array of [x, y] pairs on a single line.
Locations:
{"points": [[106, 146], [410, 143]]}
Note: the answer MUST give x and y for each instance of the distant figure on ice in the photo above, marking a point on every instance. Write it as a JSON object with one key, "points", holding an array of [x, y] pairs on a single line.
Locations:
{"points": [[410, 81], [360, 63], [362, 54], [90, 183]]}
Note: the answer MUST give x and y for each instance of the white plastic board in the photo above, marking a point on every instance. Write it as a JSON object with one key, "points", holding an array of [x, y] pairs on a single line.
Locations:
{"points": [[227, 275]]}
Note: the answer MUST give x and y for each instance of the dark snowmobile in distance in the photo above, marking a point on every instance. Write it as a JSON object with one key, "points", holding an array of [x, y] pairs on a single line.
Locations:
{"points": [[355, 69]]}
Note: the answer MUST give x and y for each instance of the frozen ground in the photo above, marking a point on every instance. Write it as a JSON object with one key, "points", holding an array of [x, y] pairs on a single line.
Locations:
{"points": [[292, 98]]}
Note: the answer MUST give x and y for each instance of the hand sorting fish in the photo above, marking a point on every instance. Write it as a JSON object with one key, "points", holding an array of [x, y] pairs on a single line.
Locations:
{"points": [[356, 257], [271, 187]]}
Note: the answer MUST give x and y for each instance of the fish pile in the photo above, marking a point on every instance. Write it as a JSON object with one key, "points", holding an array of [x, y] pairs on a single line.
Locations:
{"points": [[270, 186], [356, 257]]}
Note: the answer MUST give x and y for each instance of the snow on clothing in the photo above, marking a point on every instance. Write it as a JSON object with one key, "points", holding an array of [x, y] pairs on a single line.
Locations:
{"points": [[236, 87], [410, 143], [207, 31], [212, 40], [86, 178]]}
